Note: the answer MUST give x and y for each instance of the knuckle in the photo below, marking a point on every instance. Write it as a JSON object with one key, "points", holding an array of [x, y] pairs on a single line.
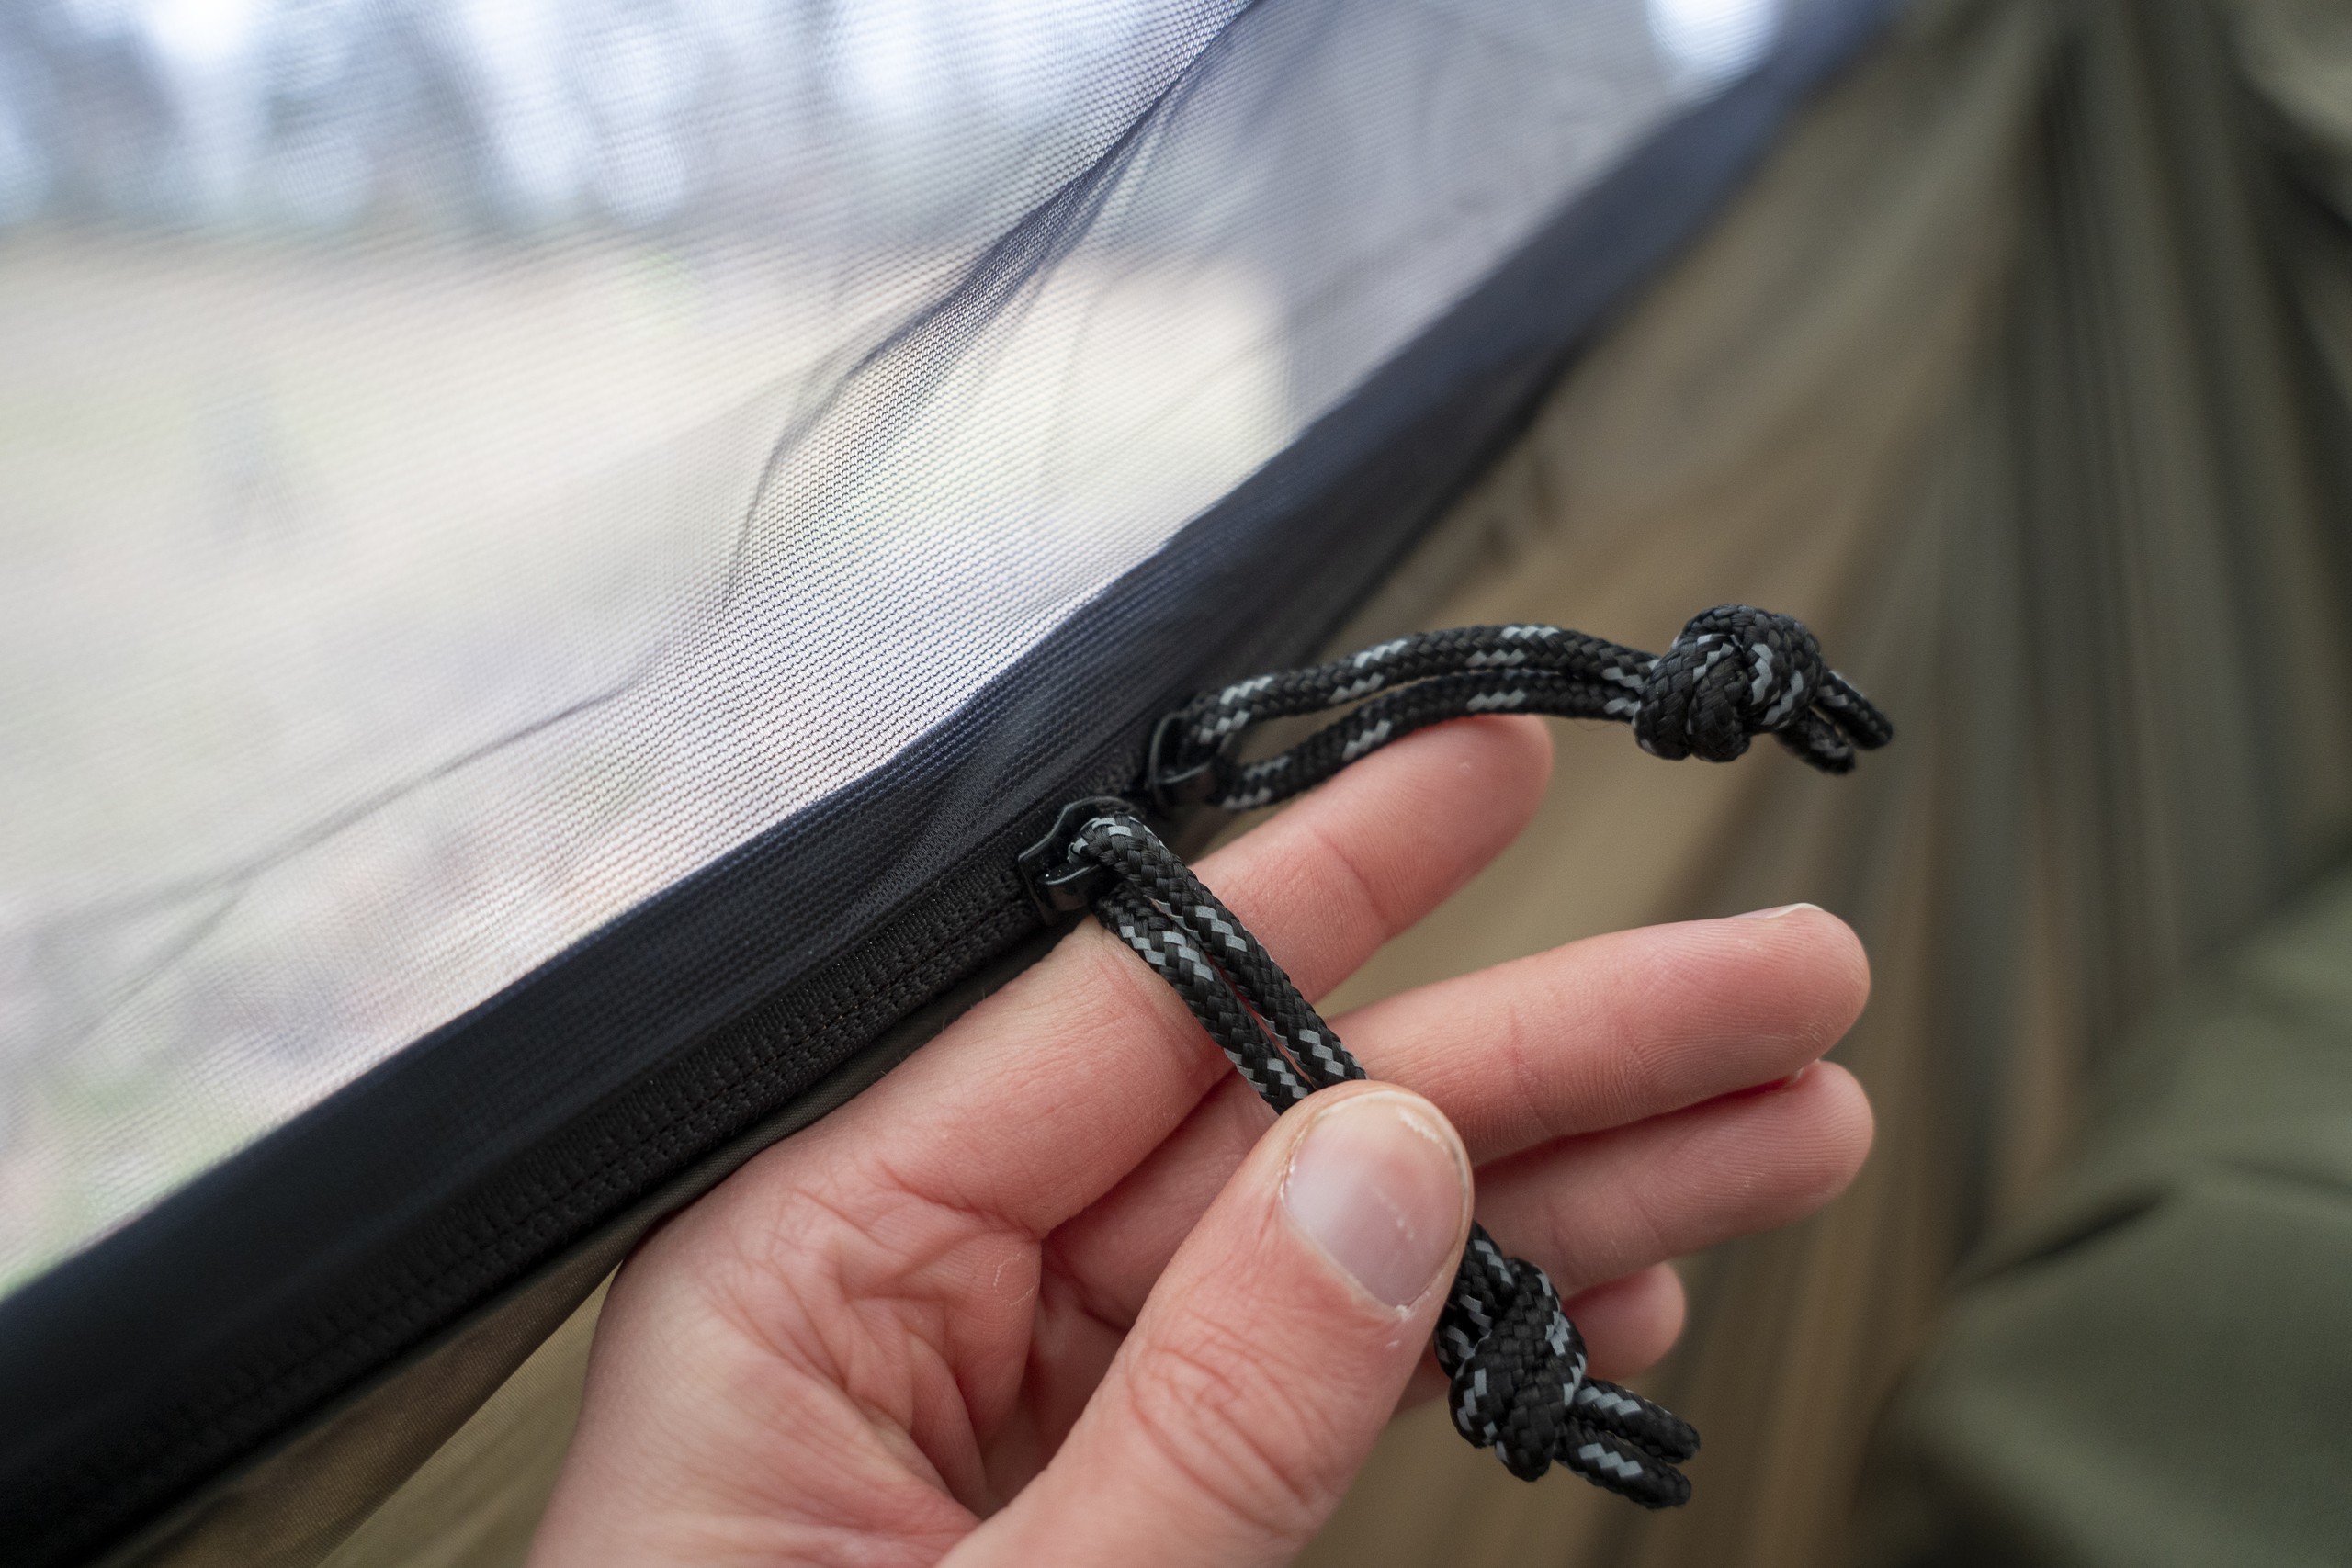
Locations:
{"points": [[1521, 1042], [1648, 1228], [1627, 1073]]}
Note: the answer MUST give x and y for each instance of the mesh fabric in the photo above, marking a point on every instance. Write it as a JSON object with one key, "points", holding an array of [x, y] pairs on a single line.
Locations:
{"points": [[477, 463]]}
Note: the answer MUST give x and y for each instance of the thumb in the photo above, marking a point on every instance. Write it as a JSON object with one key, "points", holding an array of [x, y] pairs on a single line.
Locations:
{"points": [[1270, 1354]]}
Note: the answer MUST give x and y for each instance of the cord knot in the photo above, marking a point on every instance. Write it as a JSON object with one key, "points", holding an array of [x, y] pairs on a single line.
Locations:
{"points": [[1513, 1387], [1515, 1366], [1732, 673], [1736, 673]]}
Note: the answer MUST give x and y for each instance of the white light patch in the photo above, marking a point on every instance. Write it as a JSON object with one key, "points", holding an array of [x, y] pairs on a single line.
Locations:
{"points": [[1713, 40]]}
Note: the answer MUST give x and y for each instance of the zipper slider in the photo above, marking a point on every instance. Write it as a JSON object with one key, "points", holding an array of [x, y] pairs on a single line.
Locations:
{"points": [[1059, 882]]}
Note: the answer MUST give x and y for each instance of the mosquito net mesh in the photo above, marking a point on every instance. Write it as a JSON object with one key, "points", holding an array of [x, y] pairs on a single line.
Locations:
{"points": [[473, 464]]}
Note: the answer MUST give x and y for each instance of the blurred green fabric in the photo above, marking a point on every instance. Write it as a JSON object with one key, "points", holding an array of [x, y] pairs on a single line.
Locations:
{"points": [[2153, 1365]]}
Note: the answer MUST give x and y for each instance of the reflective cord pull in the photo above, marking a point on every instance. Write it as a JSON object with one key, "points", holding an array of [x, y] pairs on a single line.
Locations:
{"points": [[1515, 1361], [1733, 673]]}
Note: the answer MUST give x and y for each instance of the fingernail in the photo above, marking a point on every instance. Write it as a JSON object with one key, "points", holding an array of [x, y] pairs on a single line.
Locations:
{"points": [[1775, 913], [1381, 1189]]}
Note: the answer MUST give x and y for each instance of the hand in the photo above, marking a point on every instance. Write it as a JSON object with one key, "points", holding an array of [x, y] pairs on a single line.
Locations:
{"points": [[1052, 1292]]}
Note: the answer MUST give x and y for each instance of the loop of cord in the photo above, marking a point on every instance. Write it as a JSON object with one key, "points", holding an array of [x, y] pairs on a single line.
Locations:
{"points": [[1516, 1363], [1734, 673]]}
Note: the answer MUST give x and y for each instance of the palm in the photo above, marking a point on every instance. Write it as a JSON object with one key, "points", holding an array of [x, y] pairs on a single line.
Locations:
{"points": [[881, 1330]]}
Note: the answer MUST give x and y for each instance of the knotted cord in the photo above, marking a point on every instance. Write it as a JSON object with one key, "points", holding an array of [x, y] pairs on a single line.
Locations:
{"points": [[1514, 1362], [1732, 673]]}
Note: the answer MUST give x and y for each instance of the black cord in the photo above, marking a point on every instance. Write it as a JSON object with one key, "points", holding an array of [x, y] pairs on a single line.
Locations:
{"points": [[1733, 672], [1516, 1364]]}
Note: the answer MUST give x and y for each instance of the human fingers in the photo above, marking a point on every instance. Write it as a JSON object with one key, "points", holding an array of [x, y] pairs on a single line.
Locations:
{"points": [[1268, 1356], [1602, 1206], [1630, 1323], [1602, 1213], [1620, 1028], [1046, 1094], [1612, 1029], [1585, 1209]]}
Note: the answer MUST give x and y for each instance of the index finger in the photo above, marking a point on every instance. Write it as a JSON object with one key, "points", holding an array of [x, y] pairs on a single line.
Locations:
{"points": [[1035, 1102]]}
